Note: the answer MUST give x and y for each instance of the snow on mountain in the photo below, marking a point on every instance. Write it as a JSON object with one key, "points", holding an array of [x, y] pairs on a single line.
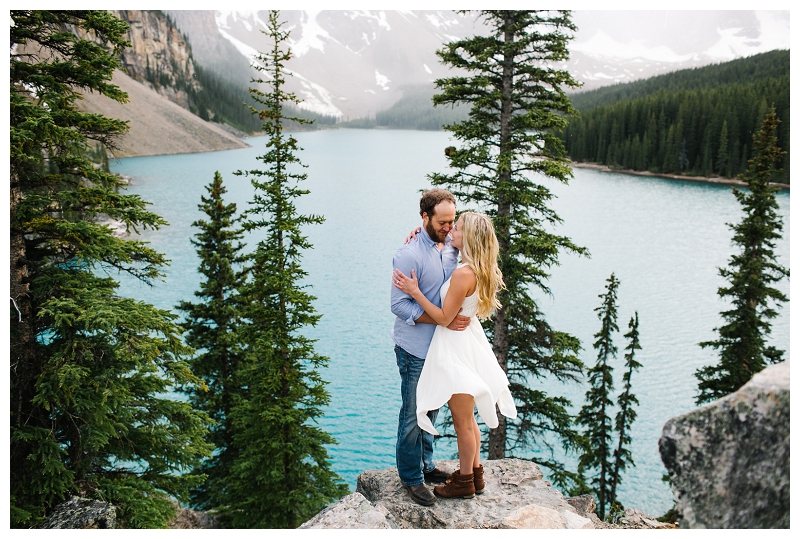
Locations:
{"points": [[613, 47], [354, 63]]}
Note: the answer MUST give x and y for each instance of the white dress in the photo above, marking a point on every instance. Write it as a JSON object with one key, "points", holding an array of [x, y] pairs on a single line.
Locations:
{"points": [[463, 362]]}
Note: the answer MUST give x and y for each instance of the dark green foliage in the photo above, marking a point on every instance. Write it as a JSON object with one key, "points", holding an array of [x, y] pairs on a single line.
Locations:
{"points": [[767, 65], [694, 123], [595, 415], [88, 368], [211, 325], [221, 101], [281, 475], [517, 103], [626, 414], [751, 275], [415, 111]]}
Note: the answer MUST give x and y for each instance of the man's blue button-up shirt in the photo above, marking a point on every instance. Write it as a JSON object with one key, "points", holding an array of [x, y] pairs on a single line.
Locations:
{"points": [[432, 268]]}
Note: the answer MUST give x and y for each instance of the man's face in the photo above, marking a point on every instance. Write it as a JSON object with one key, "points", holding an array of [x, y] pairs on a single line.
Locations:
{"points": [[441, 222]]}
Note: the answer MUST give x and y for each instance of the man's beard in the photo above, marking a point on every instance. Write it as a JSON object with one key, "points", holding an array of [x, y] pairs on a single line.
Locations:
{"points": [[432, 233]]}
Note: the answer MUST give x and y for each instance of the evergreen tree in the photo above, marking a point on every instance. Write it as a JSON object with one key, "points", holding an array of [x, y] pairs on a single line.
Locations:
{"points": [[517, 99], [595, 415], [751, 275], [211, 326], [626, 414], [281, 475], [722, 153], [88, 368]]}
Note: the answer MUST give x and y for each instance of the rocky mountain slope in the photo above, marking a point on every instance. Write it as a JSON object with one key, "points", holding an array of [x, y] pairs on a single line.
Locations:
{"points": [[159, 56], [159, 77], [157, 125]]}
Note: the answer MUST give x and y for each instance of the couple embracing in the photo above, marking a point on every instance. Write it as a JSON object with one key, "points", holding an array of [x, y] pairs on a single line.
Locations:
{"points": [[442, 352]]}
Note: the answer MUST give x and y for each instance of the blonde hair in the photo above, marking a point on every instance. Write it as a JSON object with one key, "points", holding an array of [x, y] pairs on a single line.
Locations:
{"points": [[480, 251]]}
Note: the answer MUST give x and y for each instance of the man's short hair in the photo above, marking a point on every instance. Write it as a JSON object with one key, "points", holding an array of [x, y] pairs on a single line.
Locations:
{"points": [[431, 198]]}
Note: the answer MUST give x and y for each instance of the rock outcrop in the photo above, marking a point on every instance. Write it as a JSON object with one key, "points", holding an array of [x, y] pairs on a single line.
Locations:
{"points": [[159, 55], [516, 496], [728, 461], [188, 519], [82, 514]]}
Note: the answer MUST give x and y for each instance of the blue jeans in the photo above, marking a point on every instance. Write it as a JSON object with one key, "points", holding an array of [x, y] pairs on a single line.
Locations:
{"points": [[414, 445]]}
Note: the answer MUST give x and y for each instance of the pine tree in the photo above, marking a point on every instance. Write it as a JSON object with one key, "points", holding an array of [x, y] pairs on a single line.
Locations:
{"points": [[211, 326], [751, 275], [722, 153], [517, 101], [281, 475], [626, 414], [88, 368], [595, 415]]}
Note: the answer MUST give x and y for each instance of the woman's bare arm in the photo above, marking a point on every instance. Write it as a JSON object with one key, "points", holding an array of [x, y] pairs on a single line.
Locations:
{"points": [[462, 284]]}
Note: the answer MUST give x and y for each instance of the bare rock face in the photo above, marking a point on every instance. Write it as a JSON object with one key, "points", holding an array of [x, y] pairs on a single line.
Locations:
{"points": [[82, 514], [729, 460], [515, 497], [159, 56], [353, 511]]}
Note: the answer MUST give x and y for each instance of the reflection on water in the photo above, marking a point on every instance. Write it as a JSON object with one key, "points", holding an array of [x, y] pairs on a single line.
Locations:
{"points": [[664, 239]]}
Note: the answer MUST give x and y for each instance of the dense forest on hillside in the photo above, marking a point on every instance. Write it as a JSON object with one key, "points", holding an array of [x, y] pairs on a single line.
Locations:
{"points": [[699, 122], [222, 101], [766, 65], [414, 110]]}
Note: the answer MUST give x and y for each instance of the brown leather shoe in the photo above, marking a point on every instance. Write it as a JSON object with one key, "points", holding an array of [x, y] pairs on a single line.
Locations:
{"points": [[420, 494], [478, 481], [457, 486], [436, 476]]}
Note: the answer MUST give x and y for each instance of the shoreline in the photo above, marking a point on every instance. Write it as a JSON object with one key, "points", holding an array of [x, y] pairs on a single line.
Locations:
{"points": [[726, 181]]}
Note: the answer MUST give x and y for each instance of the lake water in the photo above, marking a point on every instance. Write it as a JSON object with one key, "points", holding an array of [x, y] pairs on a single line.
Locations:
{"points": [[664, 239]]}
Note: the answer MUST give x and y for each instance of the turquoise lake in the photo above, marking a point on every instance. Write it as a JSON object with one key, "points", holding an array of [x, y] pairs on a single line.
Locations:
{"points": [[664, 239]]}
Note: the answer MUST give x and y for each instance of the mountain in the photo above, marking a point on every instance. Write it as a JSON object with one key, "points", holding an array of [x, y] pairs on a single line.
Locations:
{"points": [[622, 46], [159, 76], [157, 125], [352, 64], [347, 64]]}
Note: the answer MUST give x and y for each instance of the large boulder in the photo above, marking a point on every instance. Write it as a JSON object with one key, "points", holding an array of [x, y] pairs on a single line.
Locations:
{"points": [[82, 513], [728, 461]]}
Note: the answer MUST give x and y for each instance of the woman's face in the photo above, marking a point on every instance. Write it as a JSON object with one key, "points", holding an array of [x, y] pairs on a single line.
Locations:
{"points": [[455, 233]]}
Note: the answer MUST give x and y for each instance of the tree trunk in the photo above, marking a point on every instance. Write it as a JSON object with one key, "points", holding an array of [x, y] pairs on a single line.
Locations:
{"points": [[500, 346], [22, 329]]}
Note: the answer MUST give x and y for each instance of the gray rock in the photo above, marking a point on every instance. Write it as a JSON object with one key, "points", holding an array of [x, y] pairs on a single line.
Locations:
{"points": [[352, 512], [729, 460], [515, 497], [189, 519], [82, 514], [636, 520], [583, 504]]}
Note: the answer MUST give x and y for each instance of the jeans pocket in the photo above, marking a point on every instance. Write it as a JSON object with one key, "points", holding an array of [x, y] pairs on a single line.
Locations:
{"points": [[402, 359]]}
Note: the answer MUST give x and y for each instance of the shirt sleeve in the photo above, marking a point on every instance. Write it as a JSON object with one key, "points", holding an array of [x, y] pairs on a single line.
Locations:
{"points": [[403, 305]]}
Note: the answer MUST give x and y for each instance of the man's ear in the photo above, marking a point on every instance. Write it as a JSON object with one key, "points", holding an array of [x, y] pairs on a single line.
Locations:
{"points": [[424, 216]]}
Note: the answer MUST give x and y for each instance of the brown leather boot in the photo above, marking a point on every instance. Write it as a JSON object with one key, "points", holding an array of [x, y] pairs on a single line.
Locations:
{"points": [[457, 486], [478, 481]]}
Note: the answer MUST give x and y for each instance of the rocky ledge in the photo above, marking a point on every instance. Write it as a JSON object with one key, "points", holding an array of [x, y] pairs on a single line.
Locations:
{"points": [[516, 496]]}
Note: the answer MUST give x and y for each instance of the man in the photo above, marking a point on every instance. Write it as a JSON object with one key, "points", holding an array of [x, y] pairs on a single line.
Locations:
{"points": [[433, 259]]}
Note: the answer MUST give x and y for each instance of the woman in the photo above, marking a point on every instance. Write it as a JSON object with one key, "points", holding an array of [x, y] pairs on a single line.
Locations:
{"points": [[460, 367]]}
